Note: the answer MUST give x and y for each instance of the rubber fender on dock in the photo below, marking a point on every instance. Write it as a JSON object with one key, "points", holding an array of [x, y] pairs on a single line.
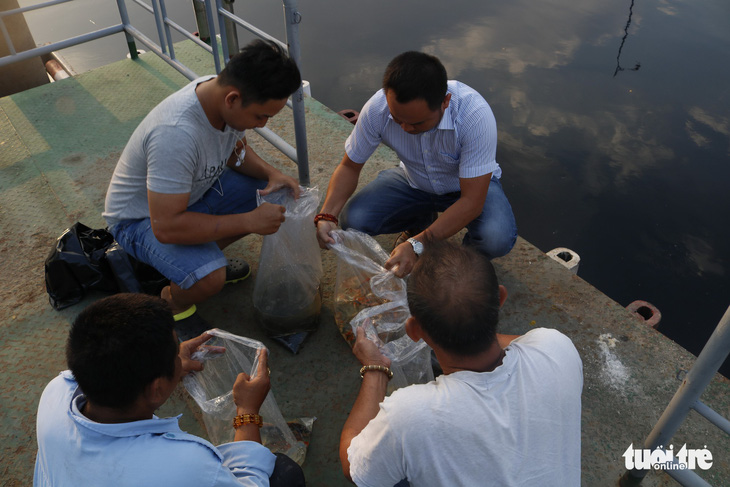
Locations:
{"points": [[55, 70], [646, 312], [568, 258], [349, 115]]}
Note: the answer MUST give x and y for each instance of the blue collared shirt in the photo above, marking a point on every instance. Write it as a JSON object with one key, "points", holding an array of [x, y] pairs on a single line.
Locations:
{"points": [[462, 145], [75, 451]]}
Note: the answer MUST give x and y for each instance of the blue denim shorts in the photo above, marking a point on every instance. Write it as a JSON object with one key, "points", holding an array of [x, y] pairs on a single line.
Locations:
{"points": [[187, 264]]}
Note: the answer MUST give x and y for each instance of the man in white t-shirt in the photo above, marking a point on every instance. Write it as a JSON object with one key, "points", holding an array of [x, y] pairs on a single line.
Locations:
{"points": [[185, 185], [506, 411]]}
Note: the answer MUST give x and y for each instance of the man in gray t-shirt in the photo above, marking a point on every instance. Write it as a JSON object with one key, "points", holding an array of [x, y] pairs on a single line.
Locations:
{"points": [[185, 185]]}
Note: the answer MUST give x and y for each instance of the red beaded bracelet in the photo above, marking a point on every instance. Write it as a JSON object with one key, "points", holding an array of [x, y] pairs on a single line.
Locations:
{"points": [[326, 217]]}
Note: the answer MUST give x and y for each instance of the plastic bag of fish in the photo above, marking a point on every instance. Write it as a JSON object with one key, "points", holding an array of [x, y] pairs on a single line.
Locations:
{"points": [[368, 295]]}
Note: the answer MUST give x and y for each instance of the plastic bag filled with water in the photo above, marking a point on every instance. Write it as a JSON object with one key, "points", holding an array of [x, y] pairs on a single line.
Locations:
{"points": [[286, 294]]}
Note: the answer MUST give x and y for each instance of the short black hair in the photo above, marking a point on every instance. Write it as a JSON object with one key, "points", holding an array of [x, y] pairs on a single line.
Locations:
{"points": [[416, 75], [119, 345], [453, 292], [262, 71]]}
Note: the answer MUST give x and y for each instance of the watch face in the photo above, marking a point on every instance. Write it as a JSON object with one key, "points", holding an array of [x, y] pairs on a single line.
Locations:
{"points": [[417, 246]]}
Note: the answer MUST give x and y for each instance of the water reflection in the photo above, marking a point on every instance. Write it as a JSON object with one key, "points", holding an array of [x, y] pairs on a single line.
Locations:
{"points": [[637, 66]]}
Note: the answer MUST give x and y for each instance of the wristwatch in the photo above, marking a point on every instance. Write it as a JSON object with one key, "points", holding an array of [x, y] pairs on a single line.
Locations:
{"points": [[417, 246]]}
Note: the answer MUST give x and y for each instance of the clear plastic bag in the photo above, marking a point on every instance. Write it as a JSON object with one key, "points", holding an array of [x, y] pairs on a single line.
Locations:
{"points": [[367, 294], [286, 294], [212, 390], [362, 282]]}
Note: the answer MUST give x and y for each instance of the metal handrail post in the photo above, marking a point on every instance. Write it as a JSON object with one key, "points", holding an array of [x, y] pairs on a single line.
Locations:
{"points": [[222, 30], [292, 18], [124, 16], [687, 396], [158, 24], [7, 38], [213, 40], [231, 33], [166, 27]]}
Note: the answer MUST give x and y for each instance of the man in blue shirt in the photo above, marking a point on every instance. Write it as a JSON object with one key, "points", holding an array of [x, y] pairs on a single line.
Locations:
{"points": [[96, 424], [445, 136]]}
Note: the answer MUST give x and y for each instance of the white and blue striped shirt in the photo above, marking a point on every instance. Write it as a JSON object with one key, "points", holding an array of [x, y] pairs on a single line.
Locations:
{"points": [[462, 145]]}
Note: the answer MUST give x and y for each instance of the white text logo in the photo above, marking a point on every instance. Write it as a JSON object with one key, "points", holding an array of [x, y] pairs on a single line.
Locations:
{"points": [[660, 459]]}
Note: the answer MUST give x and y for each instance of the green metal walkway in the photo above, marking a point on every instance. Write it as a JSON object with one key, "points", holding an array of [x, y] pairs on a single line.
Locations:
{"points": [[58, 147]]}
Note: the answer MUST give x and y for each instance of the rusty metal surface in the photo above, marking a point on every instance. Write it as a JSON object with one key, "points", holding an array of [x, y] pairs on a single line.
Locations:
{"points": [[58, 147]]}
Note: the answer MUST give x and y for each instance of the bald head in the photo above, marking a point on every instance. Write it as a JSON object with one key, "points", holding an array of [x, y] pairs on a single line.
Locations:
{"points": [[453, 292]]}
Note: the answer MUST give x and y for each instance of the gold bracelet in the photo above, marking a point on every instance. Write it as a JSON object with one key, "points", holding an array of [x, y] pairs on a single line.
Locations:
{"points": [[242, 419], [379, 368]]}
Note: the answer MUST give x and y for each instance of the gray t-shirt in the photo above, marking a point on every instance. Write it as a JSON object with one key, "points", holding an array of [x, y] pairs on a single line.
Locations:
{"points": [[175, 150]]}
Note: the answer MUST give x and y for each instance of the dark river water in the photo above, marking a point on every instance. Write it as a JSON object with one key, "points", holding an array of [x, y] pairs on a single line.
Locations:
{"points": [[613, 118]]}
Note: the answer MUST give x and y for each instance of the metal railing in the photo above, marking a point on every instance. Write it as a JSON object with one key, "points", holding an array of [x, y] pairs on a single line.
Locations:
{"points": [[15, 56], [165, 50], [687, 398]]}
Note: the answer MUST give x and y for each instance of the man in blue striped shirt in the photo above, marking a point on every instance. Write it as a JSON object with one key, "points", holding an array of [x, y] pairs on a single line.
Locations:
{"points": [[445, 136]]}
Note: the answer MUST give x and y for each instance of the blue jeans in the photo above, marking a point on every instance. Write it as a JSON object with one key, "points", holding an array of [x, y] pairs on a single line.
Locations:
{"points": [[187, 264], [390, 205]]}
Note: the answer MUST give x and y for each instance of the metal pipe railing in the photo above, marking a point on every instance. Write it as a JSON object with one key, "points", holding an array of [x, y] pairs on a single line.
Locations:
{"points": [[150, 45], [37, 6], [213, 39], [166, 27], [252, 29], [685, 399], [712, 416], [231, 38], [292, 17], [21, 10], [171, 23], [55, 46], [124, 16]]}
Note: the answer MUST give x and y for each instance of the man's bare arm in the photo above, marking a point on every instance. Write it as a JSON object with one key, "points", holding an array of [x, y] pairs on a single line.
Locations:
{"points": [[372, 392], [341, 186], [172, 223], [366, 407], [464, 210]]}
